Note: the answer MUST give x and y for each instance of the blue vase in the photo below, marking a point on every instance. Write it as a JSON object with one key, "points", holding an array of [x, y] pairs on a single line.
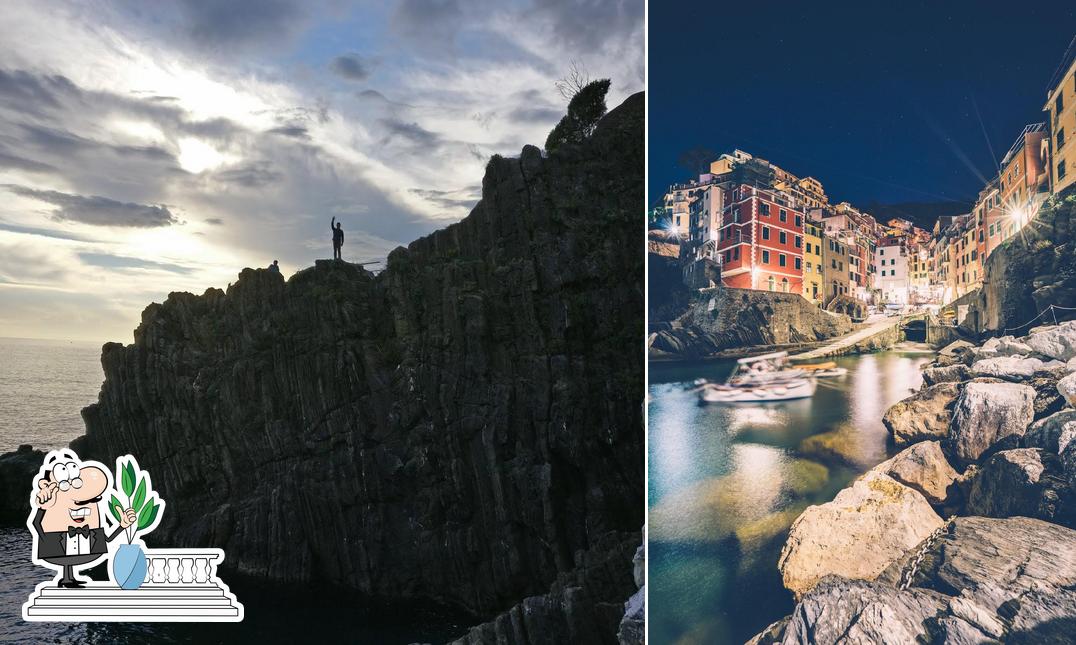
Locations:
{"points": [[129, 566]]}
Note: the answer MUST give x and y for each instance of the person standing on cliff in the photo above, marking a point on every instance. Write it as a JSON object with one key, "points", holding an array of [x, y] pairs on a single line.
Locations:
{"points": [[338, 237]]}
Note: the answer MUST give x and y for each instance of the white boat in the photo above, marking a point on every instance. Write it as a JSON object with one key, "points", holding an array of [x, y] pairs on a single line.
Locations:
{"points": [[785, 391], [760, 378]]}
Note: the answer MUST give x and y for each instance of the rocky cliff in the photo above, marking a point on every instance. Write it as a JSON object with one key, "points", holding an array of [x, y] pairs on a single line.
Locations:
{"points": [[464, 427], [1034, 269], [722, 318]]}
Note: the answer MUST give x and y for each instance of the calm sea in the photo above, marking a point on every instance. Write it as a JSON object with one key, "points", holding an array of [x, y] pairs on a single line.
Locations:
{"points": [[43, 386]]}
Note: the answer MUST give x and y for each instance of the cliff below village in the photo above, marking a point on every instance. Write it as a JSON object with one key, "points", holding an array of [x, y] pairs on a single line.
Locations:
{"points": [[1034, 269], [463, 428], [722, 318]]}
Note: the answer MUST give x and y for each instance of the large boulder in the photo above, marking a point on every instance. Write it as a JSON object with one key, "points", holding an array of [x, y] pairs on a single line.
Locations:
{"points": [[987, 412], [948, 374], [857, 611], [924, 468], [923, 416], [1011, 368], [1045, 432], [857, 535], [17, 472], [982, 580], [1055, 342], [1024, 481]]}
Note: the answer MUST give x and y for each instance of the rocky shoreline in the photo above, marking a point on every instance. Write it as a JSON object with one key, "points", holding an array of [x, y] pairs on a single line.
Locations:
{"points": [[966, 534]]}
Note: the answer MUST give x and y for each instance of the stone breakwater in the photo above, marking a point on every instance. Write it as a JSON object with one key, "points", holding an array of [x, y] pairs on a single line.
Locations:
{"points": [[463, 428], [966, 535]]}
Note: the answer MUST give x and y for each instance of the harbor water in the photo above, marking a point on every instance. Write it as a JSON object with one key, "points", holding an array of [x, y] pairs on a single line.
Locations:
{"points": [[726, 482]]}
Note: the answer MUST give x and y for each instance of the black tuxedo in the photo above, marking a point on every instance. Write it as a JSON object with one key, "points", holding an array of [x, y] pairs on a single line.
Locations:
{"points": [[52, 546]]}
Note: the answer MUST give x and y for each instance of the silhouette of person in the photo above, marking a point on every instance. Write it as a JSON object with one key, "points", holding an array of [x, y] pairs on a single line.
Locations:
{"points": [[338, 237], [274, 267]]}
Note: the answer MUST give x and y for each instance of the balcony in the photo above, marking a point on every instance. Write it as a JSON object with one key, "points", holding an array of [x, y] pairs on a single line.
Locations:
{"points": [[181, 586]]}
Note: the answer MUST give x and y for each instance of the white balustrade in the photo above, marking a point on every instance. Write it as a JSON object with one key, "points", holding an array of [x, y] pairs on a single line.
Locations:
{"points": [[181, 566]]}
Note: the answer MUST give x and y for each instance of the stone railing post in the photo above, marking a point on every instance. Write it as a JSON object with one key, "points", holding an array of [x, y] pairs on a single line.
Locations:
{"points": [[181, 566]]}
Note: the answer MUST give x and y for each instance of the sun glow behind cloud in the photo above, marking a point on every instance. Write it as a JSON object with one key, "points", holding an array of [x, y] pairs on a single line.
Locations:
{"points": [[155, 160]]}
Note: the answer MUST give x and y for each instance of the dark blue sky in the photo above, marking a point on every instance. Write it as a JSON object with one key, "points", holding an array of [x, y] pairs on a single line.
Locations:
{"points": [[876, 100]]}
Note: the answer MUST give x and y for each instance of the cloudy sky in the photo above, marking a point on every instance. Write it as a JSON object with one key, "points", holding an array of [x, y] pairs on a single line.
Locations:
{"points": [[149, 147]]}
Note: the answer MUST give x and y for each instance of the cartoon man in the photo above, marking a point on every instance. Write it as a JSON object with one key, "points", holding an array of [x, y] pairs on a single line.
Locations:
{"points": [[68, 521]]}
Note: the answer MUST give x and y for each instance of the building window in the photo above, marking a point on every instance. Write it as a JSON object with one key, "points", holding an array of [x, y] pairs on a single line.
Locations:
{"points": [[783, 237], [808, 265], [784, 285], [765, 232], [883, 273], [1060, 166], [782, 260], [833, 264], [799, 221], [784, 215], [764, 209], [736, 253], [881, 251], [799, 242], [771, 283], [765, 257], [1059, 105]]}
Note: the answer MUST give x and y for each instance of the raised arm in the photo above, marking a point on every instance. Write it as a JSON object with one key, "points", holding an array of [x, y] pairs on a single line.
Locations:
{"points": [[332, 224]]}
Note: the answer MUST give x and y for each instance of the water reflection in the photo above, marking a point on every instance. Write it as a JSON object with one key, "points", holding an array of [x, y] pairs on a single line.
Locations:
{"points": [[727, 481]]}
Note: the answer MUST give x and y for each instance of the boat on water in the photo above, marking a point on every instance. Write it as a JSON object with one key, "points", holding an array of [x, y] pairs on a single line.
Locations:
{"points": [[828, 369], [760, 378]]}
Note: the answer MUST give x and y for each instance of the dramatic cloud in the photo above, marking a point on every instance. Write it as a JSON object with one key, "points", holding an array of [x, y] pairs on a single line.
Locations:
{"points": [[240, 22], [185, 140], [351, 67], [98, 211]]}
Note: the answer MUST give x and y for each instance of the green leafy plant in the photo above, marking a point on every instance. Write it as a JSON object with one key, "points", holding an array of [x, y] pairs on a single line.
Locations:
{"points": [[140, 497]]}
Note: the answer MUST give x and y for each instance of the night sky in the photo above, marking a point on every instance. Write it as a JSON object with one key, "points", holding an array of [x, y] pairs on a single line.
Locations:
{"points": [[880, 102]]}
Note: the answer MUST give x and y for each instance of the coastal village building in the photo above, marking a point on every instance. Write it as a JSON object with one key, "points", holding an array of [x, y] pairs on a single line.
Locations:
{"points": [[704, 219], [835, 273], [1061, 106], [893, 276], [761, 241], [814, 286]]}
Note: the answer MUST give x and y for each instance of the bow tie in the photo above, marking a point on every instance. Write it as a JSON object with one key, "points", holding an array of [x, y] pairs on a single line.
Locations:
{"points": [[84, 531]]}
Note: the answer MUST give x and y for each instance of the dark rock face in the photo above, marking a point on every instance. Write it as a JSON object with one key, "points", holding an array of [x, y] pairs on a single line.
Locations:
{"points": [[463, 428], [574, 610], [17, 471], [1032, 270], [722, 318], [1023, 481]]}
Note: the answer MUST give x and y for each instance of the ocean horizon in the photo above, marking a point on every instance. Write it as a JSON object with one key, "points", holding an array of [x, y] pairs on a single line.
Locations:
{"points": [[44, 384]]}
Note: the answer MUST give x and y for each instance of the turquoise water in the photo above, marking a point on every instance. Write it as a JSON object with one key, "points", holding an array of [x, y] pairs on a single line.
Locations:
{"points": [[727, 481]]}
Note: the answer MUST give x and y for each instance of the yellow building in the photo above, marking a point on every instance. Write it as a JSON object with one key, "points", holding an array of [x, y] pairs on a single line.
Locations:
{"points": [[813, 284], [1061, 104]]}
